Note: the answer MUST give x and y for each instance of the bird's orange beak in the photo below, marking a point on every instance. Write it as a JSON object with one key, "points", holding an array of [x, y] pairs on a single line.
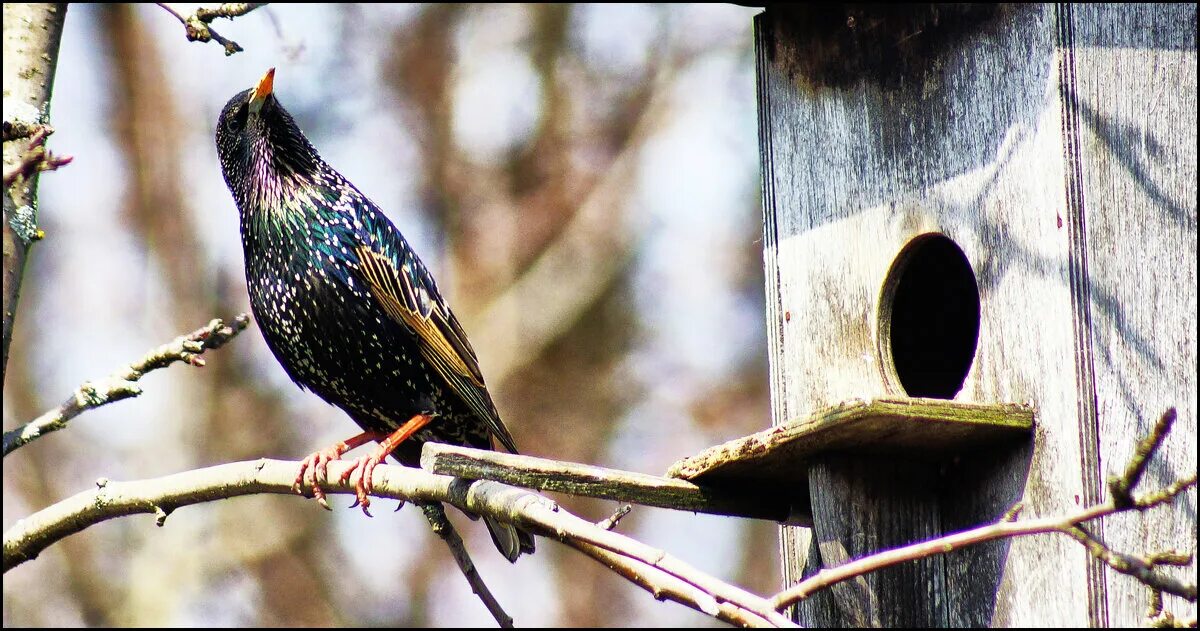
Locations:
{"points": [[262, 91]]}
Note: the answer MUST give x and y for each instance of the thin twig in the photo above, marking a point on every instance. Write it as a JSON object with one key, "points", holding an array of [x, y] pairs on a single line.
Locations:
{"points": [[122, 384], [443, 528], [651, 569], [1154, 498], [1157, 617], [197, 25], [1141, 569], [950, 543], [227, 10], [18, 129], [1013, 513], [36, 158], [664, 586], [1120, 487], [610, 522], [537, 514]]}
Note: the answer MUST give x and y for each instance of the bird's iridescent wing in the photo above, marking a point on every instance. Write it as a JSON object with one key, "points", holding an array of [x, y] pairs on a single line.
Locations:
{"points": [[406, 291]]}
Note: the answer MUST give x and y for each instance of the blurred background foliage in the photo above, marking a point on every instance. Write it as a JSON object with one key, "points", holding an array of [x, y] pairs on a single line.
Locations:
{"points": [[583, 181]]}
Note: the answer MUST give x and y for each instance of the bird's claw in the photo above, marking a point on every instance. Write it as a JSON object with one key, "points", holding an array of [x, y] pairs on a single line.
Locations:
{"points": [[314, 469], [361, 473]]}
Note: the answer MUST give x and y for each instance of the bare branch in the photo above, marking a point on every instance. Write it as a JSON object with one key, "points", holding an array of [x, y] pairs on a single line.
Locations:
{"points": [[610, 522], [1141, 568], [36, 158], [535, 513], [197, 24], [1165, 494], [228, 10], [444, 529], [1121, 487], [18, 129], [592, 481], [664, 586], [1159, 618], [122, 384], [653, 569], [950, 543]]}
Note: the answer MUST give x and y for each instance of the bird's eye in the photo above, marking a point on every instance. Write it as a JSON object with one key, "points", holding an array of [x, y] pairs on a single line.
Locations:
{"points": [[237, 120]]}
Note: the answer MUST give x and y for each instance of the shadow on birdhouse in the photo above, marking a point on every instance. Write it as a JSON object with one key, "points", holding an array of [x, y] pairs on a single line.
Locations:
{"points": [[871, 474], [970, 213], [840, 44]]}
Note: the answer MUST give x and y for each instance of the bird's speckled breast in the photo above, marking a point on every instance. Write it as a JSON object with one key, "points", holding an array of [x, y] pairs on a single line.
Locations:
{"points": [[319, 323]]}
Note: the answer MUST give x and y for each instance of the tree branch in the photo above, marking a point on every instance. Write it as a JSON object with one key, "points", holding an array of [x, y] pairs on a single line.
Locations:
{"points": [[592, 481], [950, 543], [1141, 569], [122, 384], [664, 586], [444, 529], [18, 129], [650, 568], [1121, 487], [37, 158], [664, 576], [197, 24], [32, 33]]}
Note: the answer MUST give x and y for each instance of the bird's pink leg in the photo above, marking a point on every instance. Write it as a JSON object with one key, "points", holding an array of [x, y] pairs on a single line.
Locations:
{"points": [[316, 465], [365, 465]]}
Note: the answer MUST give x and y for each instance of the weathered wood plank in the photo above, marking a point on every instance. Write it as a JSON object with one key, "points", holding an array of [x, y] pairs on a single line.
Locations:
{"points": [[612, 484], [907, 427], [1134, 99], [903, 508], [969, 146]]}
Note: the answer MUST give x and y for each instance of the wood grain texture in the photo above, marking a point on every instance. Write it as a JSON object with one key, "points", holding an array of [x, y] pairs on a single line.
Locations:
{"points": [[912, 427], [901, 508], [601, 482], [990, 144], [1134, 97]]}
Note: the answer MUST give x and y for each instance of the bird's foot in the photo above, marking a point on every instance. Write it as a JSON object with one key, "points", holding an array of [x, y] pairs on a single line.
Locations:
{"points": [[364, 467], [361, 473], [314, 469]]}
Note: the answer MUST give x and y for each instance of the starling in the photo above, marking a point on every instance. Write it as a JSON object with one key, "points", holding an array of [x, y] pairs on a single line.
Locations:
{"points": [[347, 307]]}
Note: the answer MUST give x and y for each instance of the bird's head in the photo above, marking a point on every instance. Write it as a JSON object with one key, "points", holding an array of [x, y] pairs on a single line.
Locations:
{"points": [[262, 150]]}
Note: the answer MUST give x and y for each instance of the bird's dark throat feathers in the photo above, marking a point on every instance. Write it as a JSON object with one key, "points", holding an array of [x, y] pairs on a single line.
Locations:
{"points": [[268, 164]]}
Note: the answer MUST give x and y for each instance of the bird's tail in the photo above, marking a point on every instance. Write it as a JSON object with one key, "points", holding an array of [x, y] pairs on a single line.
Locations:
{"points": [[510, 540]]}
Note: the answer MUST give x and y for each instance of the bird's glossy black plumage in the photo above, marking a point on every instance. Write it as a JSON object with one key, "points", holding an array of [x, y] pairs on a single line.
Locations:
{"points": [[343, 301]]}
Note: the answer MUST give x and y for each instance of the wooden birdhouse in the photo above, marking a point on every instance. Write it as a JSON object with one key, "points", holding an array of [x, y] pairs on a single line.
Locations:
{"points": [[980, 250]]}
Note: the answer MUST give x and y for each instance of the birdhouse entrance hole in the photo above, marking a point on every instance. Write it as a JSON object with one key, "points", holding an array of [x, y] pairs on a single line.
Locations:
{"points": [[929, 318]]}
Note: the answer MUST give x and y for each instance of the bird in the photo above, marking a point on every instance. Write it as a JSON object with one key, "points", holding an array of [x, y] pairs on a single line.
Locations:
{"points": [[348, 308]]}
